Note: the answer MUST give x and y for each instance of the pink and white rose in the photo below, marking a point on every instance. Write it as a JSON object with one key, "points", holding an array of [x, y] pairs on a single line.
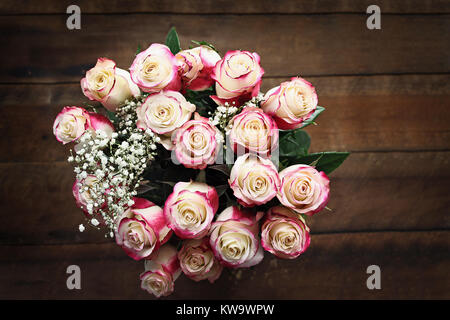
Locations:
{"points": [[197, 143], [161, 272], [234, 238], [163, 113], [108, 84], [238, 77], [304, 189], [70, 124], [284, 233], [190, 209], [156, 69], [196, 66], [142, 229], [197, 260], [99, 122], [253, 131], [291, 103], [254, 180]]}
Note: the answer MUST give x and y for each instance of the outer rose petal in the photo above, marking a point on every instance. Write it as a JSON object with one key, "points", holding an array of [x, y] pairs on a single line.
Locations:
{"points": [[102, 123]]}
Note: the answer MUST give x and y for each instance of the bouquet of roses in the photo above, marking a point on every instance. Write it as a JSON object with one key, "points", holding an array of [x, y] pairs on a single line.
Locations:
{"points": [[189, 167]]}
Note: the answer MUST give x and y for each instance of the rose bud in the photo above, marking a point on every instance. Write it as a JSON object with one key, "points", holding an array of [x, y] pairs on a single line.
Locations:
{"points": [[197, 260], [304, 189], [99, 122], [196, 66], [234, 238], [156, 69], [161, 272], [197, 143], [253, 131], [238, 77], [284, 233], [190, 208], [290, 103], [254, 180], [70, 124], [109, 85], [142, 229], [164, 112]]}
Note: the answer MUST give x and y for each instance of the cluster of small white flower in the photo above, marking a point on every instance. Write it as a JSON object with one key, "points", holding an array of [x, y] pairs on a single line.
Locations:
{"points": [[223, 114], [115, 166]]}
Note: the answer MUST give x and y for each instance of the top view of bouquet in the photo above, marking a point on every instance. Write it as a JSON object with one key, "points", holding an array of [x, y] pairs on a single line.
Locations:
{"points": [[190, 167]]}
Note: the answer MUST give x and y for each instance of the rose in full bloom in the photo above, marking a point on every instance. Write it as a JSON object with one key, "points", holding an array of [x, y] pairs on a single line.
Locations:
{"points": [[190, 208], [164, 112], [291, 103], [197, 143], [161, 272], [284, 233], [304, 189], [108, 84], [70, 124], [198, 262], [238, 77], [254, 180], [142, 229], [196, 66], [234, 238], [253, 131], [156, 69]]}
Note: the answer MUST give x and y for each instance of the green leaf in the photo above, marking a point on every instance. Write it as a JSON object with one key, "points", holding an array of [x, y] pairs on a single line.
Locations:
{"points": [[294, 143], [325, 161], [139, 49], [172, 41], [204, 43], [112, 116], [311, 119], [202, 101]]}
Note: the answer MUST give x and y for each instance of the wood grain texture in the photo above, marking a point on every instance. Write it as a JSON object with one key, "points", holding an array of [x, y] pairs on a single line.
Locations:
{"points": [[362, 114], [42, 49], [370, 192], [414, 265], [223, 6]]}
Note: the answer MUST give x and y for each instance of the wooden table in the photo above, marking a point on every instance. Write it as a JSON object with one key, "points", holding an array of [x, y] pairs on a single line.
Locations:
{"points": [[387, 94]]}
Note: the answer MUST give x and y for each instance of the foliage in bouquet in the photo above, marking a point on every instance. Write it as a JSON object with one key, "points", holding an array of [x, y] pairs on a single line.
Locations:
{"points": [[190, 167]]}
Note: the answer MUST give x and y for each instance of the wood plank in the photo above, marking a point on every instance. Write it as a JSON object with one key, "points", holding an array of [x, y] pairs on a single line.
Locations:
{"points": [[414, 265], [363, 114], [370, 192], [223, 6], [42, 49]]}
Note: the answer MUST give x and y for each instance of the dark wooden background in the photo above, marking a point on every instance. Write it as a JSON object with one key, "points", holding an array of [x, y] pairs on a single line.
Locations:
{"points": [[387, 95]]}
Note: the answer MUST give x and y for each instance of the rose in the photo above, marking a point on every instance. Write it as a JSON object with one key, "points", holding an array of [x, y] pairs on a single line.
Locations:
{"points": [[304, 189], [164, 112], [197, 143], [195, 67], [84, 192], [161, 272], [253, 131], [234, 238], [197, 260], [254, 180], [284, 233], [70, 124], [291, 103], [99, 122], [238, 77], [142, 229], [190, 208], [109, 85], [156, 69]]}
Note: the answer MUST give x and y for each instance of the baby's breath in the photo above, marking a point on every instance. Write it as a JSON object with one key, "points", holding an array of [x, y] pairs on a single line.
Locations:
{"points": [[117, 163]]}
